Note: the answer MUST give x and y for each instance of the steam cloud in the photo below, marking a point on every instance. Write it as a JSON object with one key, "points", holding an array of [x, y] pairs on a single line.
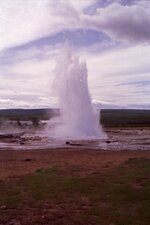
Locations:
{"points": [[78, 119]]}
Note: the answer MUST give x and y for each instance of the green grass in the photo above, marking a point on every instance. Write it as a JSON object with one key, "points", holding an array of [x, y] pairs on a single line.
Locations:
{"points": [[119, 196]]}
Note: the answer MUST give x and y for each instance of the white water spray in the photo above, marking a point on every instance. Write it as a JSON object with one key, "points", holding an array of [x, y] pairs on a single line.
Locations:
{"points": [[77, 117]]}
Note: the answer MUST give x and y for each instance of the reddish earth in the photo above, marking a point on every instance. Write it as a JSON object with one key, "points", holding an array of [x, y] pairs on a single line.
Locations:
{"points": [[18, 163], [78, 186]]}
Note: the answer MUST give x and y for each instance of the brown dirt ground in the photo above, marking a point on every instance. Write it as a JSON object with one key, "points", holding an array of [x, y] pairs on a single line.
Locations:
{"points": [[90, 164], [18, 163]]}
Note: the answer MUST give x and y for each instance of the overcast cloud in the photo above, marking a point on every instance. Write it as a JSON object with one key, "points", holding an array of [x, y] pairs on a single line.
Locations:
{"points": [[113, 36]]}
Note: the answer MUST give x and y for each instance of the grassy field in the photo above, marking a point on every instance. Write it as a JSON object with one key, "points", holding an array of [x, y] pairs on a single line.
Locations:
{"points": [[69, 194]]}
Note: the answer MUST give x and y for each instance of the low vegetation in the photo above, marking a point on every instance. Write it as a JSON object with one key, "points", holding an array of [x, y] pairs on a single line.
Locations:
{"points": [[60, 196], [109, 117], [125, 118]]}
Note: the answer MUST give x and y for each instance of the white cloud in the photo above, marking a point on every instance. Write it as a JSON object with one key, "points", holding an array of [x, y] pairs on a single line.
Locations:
{"points": [[23, 21], [123, 22], [114, 76], [27, 82], [20, 21]]}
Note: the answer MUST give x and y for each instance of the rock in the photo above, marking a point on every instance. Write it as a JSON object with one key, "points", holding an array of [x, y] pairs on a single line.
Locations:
{"points": [[14, 222], [22, 143], [3, 207], [28, 160]]}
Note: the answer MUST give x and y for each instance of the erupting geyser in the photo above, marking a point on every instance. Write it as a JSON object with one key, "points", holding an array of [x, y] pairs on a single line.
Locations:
{"points": [[77, 117]]}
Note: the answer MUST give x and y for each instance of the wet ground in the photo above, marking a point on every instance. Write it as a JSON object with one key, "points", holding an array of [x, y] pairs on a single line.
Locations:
{"points": [[117, 139]]}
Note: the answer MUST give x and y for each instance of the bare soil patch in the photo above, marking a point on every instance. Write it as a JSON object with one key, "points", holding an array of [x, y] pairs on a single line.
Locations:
{"points": [[79, 162]]}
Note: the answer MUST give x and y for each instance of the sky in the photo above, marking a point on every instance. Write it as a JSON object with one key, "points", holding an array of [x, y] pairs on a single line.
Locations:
{"points": [[113, 36]]}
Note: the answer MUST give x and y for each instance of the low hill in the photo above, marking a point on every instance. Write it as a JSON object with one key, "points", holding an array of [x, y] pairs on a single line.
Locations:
{"points": [[108, 117]]}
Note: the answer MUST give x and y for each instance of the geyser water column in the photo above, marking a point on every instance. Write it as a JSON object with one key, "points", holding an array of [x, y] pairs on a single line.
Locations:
{"points": [[78, 119]]}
